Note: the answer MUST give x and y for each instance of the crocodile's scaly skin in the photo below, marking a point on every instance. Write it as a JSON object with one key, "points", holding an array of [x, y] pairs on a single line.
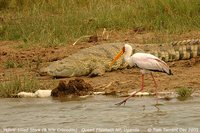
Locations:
{"points": [[97, 58]]}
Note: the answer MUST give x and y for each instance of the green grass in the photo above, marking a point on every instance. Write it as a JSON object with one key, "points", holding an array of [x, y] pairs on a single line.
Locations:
{"points": [[10, 63], [184, 93], [16, 85], [56, 22]]}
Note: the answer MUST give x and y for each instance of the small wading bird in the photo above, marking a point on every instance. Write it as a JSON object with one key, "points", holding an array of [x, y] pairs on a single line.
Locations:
{"points": [[146, 62]]}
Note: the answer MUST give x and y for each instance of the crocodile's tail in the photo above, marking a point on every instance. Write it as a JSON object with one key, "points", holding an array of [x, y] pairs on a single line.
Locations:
{"points": [[179, 50]]}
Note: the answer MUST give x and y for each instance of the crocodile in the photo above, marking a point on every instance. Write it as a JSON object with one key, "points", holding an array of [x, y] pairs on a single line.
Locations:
{"points": [[95, 60]]}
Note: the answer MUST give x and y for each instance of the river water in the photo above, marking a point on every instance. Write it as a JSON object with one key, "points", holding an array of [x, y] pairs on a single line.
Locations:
{"points": [[99, 114]]}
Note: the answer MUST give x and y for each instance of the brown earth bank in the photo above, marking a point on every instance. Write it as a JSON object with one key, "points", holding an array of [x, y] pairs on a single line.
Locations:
{"points": [[18, 61]]}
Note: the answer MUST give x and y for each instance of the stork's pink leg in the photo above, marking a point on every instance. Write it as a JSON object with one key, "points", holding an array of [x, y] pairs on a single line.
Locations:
{"points": [[142, 87], [156, 86]]}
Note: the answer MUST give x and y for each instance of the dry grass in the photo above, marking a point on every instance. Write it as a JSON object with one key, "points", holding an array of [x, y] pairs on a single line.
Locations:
{"points": [[16, 85]]}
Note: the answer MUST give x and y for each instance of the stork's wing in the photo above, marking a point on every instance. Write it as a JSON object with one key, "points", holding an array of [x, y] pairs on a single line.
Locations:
{"points": [[154, 64], [163, 66]]}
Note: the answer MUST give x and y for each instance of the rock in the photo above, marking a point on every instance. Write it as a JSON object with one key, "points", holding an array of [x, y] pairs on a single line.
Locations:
{"points": [[76, 87], [38, 93], [43, 93], [140, 93], [93, 38], [99, 93], [26, 94]]}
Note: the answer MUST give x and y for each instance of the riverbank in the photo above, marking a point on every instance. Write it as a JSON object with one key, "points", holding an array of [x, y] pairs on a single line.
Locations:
{"points": [[19, 69], [34, 34]]}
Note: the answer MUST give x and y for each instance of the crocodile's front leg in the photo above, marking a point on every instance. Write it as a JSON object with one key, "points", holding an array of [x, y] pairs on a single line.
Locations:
{"points": [[98, 71]]}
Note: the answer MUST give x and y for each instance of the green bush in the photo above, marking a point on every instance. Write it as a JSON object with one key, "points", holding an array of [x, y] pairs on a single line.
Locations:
{"points": [[184, 93]]}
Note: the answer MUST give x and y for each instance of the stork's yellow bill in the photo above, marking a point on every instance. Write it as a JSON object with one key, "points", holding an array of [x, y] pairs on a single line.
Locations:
{"points": [[117, 56]]}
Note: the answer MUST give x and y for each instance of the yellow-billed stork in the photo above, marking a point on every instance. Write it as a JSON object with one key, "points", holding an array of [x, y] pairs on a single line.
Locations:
{"points": [[143, 61]]}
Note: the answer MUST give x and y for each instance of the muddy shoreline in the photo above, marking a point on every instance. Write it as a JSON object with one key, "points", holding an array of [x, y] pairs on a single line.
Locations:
{"points": [[28, 61]]}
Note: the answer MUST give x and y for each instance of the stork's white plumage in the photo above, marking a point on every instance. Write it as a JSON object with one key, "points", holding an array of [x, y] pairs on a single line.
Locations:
{"points": [[145, 62]]}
